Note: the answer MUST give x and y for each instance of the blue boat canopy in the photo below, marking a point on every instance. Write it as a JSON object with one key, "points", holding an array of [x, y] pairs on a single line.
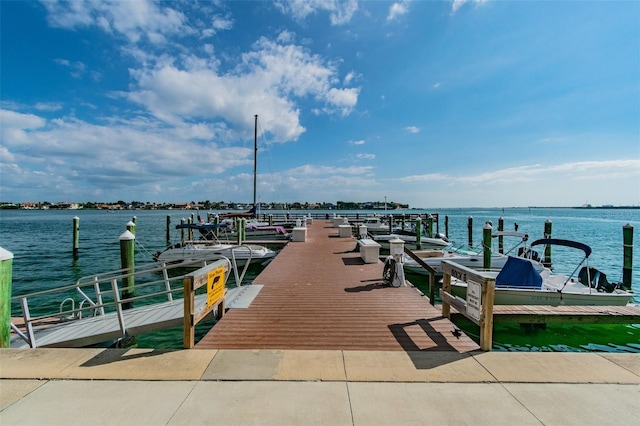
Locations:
{"points": [[518, 272], [566, 243]]}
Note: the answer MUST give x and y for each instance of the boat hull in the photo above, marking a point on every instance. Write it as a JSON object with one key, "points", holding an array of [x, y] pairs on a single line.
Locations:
{"points": [[549, 297], [242, 254]]}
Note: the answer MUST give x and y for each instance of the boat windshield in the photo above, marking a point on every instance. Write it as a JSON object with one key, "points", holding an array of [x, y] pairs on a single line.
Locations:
{"points": [[463, 249]]}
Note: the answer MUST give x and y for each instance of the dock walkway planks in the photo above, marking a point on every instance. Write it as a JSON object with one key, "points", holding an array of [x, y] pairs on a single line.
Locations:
{"points": [[573, 314], [319, 294]]}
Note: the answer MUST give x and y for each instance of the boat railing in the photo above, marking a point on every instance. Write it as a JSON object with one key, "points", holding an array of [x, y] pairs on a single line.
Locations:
{"points": [[108, 293]]}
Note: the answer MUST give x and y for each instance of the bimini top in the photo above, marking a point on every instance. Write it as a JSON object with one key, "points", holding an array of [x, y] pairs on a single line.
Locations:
{"points": [[566, 243], [518, 272]]}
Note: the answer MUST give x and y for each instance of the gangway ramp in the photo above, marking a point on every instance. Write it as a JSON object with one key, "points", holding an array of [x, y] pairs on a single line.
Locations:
{"points": [[109, 320]]}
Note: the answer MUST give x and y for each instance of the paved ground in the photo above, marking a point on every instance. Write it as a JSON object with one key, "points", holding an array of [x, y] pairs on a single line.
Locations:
{"points": [[229, 387]]}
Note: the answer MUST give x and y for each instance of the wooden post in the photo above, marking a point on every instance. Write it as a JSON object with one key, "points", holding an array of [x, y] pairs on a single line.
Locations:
{"points": [[547, 249], [214, 277], [418, 233], [501, 238], [168, 232], [238, 231], [131, 227], [76, 237], [216, 220], [486, 316], [627, 236], [486, 243], [134, 219], [190, 231], [271, 220], [182, 237], [470, 230], [6, 270], [430, 226], [446, 226], [446, 287], [127, 258], [244, 229]]}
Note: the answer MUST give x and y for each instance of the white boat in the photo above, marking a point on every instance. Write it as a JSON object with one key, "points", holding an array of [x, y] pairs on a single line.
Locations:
{"points": [[426, 242], [470, 257], [519, 283], [192, 251], [375, 224]]}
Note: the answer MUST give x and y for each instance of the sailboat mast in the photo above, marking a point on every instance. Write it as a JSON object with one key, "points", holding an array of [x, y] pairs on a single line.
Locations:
{"points": [[255, 159]]}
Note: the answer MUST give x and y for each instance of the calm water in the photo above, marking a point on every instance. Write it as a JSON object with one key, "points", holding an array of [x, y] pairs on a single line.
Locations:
{"points": [[41, 242]]}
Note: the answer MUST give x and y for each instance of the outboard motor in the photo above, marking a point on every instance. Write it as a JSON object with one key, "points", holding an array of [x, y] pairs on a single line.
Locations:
{"points": [[590, 276]]}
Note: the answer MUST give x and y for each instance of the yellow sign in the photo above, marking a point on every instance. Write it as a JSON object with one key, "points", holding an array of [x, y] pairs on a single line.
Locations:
{"points": [[215, 286]]}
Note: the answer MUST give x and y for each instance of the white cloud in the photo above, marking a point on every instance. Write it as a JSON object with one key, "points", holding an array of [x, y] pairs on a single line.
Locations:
{"points": [[366, 156], [134, 20], [132, 154], [340, 11], [48, 106], [412, 129], [77, 68], [222, 23], [14, 126], [457, 4], [586, 170], [267, 81], [358, 142], [397, 9]]}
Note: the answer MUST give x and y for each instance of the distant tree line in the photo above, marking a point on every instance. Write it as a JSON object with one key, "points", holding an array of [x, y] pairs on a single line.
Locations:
{"points": [[206, 205]]}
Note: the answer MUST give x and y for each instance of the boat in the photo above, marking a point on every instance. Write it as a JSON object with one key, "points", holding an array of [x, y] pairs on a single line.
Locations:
{"points": [[518, 282], [439, 242], [227, 230], [375, 225], [202, 250], [470, 257]]}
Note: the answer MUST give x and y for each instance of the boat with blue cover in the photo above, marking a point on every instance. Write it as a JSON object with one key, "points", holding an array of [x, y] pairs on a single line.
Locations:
{"points": [[518, 282]]}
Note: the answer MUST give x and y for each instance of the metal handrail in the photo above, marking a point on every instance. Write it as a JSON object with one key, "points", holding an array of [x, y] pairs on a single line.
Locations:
{"points": [[112, 278]]}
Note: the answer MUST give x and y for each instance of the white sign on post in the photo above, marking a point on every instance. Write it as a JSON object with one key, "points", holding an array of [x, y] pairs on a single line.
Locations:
{"points": [[474, 297]]}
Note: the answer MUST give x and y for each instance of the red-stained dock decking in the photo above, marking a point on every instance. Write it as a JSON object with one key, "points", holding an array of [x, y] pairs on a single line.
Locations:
{"points": [[319, 294]]}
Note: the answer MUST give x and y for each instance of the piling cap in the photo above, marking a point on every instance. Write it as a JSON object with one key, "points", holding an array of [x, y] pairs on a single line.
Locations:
{"points": [[5, 255], [130, 223], [127, 235]]}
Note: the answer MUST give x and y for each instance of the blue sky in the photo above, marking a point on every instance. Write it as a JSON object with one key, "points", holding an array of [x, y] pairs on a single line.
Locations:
{"points": [[431, 103]]}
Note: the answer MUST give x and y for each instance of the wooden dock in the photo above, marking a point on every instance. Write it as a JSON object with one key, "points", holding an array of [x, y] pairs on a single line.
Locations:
{"points": [[319, 294], [539, 314]]}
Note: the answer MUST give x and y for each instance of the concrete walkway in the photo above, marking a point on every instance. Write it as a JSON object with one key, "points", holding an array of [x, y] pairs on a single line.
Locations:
{"points": [[243, 387]]}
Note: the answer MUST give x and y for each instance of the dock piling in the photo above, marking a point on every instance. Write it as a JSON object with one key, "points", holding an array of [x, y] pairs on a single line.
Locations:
{"points": [[6, 269], [168, 231], [446, 226], [486, 242], [127, 258], [501, 238], [131, 227], [470, 230], [76, 237], [430, 226], [547, 249], [627, 237]]}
